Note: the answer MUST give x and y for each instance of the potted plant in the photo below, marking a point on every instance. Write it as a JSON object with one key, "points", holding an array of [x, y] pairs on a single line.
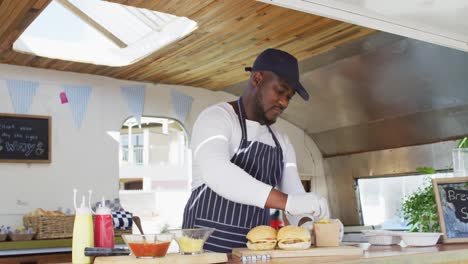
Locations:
{"points": [[420, 208]]}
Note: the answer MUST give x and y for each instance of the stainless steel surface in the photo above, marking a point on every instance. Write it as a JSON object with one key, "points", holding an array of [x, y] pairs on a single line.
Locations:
{"points": [[382, 92], [341, 172], [407, 130]]}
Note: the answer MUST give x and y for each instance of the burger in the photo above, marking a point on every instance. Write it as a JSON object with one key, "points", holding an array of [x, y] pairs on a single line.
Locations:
{"points": [[261, 238], [293, 237]]}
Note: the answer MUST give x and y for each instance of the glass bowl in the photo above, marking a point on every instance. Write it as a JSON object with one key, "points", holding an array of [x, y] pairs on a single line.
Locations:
{"points": [[148, 246], [191, 241]]}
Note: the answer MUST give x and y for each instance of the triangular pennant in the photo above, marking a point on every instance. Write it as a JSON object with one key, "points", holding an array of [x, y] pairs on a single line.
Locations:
{"points": [[135, 96], [78, 97], [181, 105], [21, 94]]}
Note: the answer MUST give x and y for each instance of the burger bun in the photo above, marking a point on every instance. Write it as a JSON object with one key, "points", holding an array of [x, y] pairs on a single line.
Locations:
{"points": [[295, 246], [261, 238], [261, 246], [293, 238]]}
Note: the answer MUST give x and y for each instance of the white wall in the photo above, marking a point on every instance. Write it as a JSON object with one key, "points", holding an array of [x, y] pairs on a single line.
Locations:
{"points": [[87, 158]]}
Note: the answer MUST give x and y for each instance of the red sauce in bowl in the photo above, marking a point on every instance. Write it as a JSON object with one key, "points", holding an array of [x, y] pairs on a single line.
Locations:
{"points": [[158, 249]]}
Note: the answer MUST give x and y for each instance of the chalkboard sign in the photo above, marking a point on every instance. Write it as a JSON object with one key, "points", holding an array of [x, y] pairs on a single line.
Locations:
{"points": [[25, 138], [452, 205]]}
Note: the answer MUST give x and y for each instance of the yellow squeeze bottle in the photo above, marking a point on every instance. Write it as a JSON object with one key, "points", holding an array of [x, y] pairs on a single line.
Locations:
{"points": [[83, 235]]}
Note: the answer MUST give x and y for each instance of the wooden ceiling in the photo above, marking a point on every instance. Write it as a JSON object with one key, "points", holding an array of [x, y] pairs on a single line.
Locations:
{"points": [[230, 35]]}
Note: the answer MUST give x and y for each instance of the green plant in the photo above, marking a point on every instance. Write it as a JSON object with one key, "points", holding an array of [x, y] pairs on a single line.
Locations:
{"points": [[463, 143], [420, 208]]}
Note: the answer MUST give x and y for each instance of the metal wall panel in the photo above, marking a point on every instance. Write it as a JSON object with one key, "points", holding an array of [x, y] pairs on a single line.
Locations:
{"points": [[342, 171], [382, 92]]}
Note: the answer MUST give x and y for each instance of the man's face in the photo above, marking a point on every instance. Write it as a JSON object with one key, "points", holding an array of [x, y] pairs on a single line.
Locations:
{"points": [[272, 97]]}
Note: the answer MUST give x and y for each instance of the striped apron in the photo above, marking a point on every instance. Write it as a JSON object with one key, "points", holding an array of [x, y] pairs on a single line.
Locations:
{"points": [[231, 220]]}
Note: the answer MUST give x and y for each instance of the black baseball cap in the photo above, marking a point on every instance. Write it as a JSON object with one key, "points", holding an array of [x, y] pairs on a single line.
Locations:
{"points": [[282, 64]]}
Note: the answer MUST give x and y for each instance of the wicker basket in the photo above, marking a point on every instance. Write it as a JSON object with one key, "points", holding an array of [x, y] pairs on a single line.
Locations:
{"points": [[20, 237], [50, 227]]}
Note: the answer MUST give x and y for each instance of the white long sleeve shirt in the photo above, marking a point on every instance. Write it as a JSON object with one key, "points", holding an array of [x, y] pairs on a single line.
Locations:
{"points": [[215, 138]]}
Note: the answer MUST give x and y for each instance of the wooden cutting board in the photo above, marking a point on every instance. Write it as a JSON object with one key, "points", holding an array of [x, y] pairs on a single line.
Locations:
{"points": [[168, 259], [311, 252]]}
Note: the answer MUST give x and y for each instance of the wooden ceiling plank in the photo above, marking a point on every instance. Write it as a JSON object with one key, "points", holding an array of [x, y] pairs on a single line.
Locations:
{"points": [[191, 11], [41, 4], [11, 14], [14, 34], [4, 55], [117, 1], [318, 39], [20, 24], [230, 35], [10, 56], [323, 48], [91, 69], [40, 63], [216, 9], [136, 3], [21, 58], [160, 6], [330, 43], [252, 34], [212, 19], [57, 64], [215, 63], [138, 66], [200, 29], [241, 47], [200, 46], [153, 61], [177, 7]]}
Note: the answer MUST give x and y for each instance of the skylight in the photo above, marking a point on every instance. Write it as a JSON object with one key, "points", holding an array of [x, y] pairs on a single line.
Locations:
{"points": [[100, 32]]}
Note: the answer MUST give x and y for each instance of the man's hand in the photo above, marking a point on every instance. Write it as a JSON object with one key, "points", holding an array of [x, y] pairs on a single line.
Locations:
{"points": [[305, 203]]}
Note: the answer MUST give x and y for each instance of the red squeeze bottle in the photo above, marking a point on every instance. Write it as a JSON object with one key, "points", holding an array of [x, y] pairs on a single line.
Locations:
{"points": [[276, 220], [103, 227]]}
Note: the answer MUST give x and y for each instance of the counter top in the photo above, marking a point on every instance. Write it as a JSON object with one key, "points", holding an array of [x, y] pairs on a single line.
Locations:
{"points": [[441, 253]]}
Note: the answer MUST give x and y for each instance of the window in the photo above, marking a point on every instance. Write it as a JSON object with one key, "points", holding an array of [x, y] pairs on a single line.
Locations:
{"points": [[100, 32], [381, 198], [136, 148], [154, 171]]}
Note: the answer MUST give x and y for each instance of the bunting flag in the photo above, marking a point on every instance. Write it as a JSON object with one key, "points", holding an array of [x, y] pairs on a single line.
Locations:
{"points": [[63, 98], [181, 105], [78, 97], [21, 94], [135, 96]]}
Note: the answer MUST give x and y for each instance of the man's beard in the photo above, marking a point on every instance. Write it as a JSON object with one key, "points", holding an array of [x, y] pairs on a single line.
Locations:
{"points": [[260, 111]]}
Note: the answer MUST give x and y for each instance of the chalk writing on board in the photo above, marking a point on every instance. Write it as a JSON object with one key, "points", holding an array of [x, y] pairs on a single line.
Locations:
{"points": [[459, 199], [24, 138], [454, 203]]}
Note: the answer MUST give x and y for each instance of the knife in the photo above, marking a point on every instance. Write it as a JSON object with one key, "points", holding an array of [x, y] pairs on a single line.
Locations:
{"points": [[94, 251]]}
